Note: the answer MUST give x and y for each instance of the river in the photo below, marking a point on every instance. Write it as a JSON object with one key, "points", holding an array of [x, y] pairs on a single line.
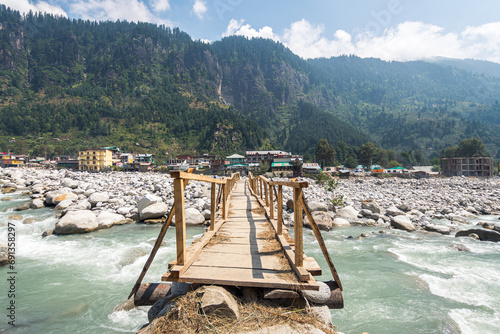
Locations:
{"points": [[397, 282]]}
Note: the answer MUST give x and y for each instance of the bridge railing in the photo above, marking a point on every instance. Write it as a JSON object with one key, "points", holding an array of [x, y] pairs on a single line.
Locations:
{"points": [[182, 261], [268, 192]]}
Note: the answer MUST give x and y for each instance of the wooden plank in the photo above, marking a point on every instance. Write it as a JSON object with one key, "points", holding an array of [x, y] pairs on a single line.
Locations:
{"points": [[243, 277], [321, 243], [239, 259], [195, 177], [312, 266]]}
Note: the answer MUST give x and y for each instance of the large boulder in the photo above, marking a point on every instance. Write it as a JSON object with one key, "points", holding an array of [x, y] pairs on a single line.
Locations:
{"points": [[348, 212], [370, 204], [322, 219], [484, 234], [9, 190], [217, 300], [340, 222], [75, 222], [445, 230], [194, 217], [393, 211], [106, 219], [64, 197], [155, 210], [37, 203], [317, 206], [146, 201], [63, 205], [98, 197], [402, 223]]}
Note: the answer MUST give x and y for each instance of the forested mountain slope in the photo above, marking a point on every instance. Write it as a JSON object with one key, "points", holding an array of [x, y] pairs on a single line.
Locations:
{"points": [[147, 87]]}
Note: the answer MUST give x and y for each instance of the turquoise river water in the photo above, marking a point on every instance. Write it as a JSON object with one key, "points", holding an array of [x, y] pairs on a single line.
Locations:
{"points": [[393, 283]]}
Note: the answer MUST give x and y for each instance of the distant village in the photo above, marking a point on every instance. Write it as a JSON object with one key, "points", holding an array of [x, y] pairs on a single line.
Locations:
{"points": [[278, 163]]}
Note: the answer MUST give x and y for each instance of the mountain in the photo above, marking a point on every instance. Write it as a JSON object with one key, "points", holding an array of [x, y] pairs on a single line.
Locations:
{"points": [[144, 87]]}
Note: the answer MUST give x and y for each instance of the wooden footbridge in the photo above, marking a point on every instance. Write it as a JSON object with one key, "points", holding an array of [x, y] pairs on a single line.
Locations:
{"points": [[246, 243]]}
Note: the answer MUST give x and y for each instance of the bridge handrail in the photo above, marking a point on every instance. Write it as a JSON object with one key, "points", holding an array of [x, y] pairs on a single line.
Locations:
{"points": [[265, 190]]}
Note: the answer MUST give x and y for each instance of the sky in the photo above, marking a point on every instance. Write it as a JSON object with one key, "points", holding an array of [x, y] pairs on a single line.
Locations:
{"points": [[388, 29]]}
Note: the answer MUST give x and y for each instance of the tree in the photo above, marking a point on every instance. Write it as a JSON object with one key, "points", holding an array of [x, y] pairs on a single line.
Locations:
{"points": [[393, 163], [325, 153], [366, 153], [351, 162], [471, 147]]}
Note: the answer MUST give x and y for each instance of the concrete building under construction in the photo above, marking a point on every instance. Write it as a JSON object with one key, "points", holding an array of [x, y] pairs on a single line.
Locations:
{"points": [[471, 166]]}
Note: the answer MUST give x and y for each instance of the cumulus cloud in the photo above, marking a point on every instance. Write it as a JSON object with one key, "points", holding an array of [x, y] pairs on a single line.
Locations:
{"points": [[130, 10], [407, 41], [24, 6], [199, 8], [160, 5], [236, 27]]}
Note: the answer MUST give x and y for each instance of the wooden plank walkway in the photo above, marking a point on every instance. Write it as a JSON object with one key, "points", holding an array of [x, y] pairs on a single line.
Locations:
{"points": [[243, 252]]}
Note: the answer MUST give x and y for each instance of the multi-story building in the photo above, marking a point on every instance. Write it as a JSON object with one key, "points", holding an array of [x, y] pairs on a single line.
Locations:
{"points": [[269, 156], [472, 166], [95, 159]]}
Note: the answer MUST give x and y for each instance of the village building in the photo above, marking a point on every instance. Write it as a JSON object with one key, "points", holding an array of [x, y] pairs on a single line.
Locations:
{"points": [[95, 159], [311, 168], [266, 156], [471, 166]]}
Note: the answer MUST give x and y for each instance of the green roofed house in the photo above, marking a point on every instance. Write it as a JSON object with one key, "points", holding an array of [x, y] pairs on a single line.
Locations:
{"points": [[282, 167], [399, 170], [235, 158]]}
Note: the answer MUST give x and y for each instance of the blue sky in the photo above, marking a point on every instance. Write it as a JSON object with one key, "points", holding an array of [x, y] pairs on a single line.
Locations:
{"points": [[386, 29]]}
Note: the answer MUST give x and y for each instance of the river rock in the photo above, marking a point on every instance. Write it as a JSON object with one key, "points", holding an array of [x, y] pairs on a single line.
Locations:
{"points": [[63, 205], [317, 206], [64, 197], [393, 211], [98, 197], [4, 255], [322, 313], [107, 219], [445, 230], [194, 217], [483, 234], [37, 203], [155, 210], [348, 212], [217, 300], [322, 219], [402, 223], [15, 217], [75, 222], [320, 296], [22, 207], [340, 222], [9, 190], [146, 201], [370, 204]]}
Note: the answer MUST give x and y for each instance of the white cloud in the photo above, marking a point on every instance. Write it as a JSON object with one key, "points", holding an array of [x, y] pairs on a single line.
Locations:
{"points": [[236, 27], [160, 5], [199, 8], [130, 10], [24, 6], [407, 41]]}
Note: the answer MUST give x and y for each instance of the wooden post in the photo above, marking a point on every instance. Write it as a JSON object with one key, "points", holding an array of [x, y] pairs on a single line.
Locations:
{"points": [[260, 187], [297, 211], [180, 221], [271, 201], [280, 210], [266, 192], [224, 200], [213, 206]]}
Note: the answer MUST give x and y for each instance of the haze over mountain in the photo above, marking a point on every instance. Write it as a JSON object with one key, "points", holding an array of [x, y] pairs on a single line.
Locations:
{"points": [[146, 87]]}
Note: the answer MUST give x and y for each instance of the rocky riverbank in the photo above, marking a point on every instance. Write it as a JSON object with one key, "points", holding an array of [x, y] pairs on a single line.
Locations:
{"points": [[91, 201]]}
